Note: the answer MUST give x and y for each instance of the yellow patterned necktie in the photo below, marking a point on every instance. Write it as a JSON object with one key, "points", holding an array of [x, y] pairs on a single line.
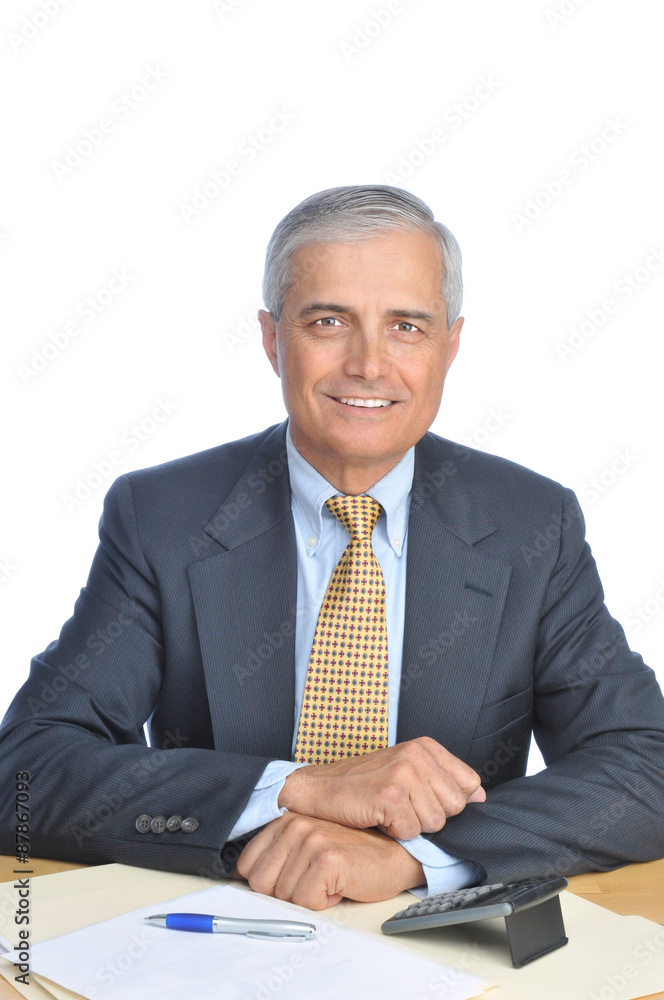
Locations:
{"points": [[344, 708]]}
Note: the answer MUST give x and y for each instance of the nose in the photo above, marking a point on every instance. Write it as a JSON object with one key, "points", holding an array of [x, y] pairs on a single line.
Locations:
{"points": [[367, 356]]}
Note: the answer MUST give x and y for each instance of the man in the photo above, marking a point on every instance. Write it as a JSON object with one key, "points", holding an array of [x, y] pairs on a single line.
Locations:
{"points": [[243, 601]]}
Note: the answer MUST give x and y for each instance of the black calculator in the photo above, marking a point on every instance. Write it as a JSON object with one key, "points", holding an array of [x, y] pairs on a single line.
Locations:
{"points": [[543, 927]]}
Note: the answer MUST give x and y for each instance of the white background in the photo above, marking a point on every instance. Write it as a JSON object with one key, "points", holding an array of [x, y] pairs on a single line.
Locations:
{"points": [[364, 99]]}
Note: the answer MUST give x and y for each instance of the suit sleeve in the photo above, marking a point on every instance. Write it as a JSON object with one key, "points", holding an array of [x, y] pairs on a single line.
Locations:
{"points": [[77, 727], [598, 718]]}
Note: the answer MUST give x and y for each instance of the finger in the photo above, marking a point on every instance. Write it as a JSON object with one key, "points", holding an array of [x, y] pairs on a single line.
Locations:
{"points": [[425, 807], [464, 775], [281, 863], [479, 795], [299, 864], [419, 804], [304, 844], [313, 889], [264, 844], [327, 852]]}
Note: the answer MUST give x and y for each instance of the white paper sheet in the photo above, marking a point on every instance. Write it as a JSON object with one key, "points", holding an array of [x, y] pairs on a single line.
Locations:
{"points": [[127, 959]]}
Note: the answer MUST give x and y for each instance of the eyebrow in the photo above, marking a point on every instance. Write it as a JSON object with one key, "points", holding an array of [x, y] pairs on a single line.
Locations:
{"points": [[315, 307]]}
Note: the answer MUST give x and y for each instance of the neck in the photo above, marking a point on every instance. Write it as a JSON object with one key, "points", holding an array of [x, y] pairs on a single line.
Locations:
{"points": [[350, 479]]}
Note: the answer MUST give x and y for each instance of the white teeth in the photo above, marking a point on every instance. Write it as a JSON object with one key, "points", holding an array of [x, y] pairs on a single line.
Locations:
{"points": [[364, 402]]}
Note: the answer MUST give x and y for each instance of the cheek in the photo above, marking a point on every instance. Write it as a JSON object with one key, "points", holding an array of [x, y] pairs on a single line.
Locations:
{"points": [[309, 368], [425, 380]]}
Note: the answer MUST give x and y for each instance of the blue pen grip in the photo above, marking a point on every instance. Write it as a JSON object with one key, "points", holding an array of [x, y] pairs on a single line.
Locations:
{"points": [[190, 922]]}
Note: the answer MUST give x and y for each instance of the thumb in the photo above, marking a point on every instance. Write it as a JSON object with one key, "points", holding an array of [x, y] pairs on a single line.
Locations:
{"points": [[479, 795]]}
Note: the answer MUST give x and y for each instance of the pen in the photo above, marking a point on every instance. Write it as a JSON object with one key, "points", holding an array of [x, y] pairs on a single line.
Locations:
{"points": [[207, 923]]}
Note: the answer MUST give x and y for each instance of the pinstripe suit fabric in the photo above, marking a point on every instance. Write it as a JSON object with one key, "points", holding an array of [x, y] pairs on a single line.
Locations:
{"points": [[187, 619]]}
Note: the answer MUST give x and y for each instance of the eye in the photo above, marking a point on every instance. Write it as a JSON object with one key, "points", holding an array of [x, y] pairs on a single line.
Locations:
{"points": [[403, 326], [327, 320]]}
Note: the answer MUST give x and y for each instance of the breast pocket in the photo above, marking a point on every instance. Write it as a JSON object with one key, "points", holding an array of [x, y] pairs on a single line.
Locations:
{"points": [[501, 714], [499, 748]]}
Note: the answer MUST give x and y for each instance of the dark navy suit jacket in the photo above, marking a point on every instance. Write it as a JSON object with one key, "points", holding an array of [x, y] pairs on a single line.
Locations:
{"points": [[188, 620]]}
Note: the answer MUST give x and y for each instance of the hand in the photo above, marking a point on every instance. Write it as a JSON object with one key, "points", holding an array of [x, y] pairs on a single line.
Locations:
{"points": [[315, 863], [403, 790]]}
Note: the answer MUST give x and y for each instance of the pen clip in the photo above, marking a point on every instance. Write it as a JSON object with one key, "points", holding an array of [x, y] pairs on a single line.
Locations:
{"points": [[267, 936]]}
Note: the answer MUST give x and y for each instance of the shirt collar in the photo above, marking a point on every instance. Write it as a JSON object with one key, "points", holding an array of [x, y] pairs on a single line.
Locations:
{"points": [[310, 491]]}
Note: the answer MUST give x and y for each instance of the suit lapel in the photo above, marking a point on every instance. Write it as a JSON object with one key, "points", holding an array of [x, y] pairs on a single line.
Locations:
{"points": [[454, 602], [245, 601]]}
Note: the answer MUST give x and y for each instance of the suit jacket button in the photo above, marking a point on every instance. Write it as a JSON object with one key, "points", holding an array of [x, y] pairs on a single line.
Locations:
{"points": [[142, 823], [158, 824], [190, 824], [173, 823]]}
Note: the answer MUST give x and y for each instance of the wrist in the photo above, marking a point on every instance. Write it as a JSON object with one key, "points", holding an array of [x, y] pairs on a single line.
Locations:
{"points": [[411, 870], [293, 795]]}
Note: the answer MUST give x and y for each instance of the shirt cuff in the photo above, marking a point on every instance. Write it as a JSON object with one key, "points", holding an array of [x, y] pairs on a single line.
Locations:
{"points": [[262, 806], [442, 871]]}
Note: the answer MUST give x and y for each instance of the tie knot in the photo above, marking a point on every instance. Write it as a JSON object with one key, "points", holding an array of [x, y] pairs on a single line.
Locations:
{"points": [[357, 514]]}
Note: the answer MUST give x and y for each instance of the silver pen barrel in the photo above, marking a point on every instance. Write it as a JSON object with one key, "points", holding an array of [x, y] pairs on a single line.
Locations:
{"points": [[271, 930]]}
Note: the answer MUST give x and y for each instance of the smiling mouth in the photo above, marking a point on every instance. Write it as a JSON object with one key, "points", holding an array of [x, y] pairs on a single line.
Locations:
{"points": [[354, 401]]}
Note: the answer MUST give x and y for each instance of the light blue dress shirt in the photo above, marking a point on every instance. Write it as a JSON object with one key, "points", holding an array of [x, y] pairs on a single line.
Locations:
{"points": [[321, 540]]}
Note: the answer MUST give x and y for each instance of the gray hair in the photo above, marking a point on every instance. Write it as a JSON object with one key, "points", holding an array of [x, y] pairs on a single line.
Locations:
{"points": [[351, 214]]}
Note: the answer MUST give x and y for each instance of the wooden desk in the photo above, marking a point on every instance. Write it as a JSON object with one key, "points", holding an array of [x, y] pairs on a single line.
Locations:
{"points": [[635, 889]]}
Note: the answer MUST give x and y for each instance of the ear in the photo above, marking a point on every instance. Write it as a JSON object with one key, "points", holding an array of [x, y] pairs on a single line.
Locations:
{"points": [[269, 328], [455, 333]]}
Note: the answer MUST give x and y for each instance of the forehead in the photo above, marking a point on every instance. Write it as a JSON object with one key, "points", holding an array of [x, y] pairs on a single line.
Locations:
{"points": [[397, 261]]}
